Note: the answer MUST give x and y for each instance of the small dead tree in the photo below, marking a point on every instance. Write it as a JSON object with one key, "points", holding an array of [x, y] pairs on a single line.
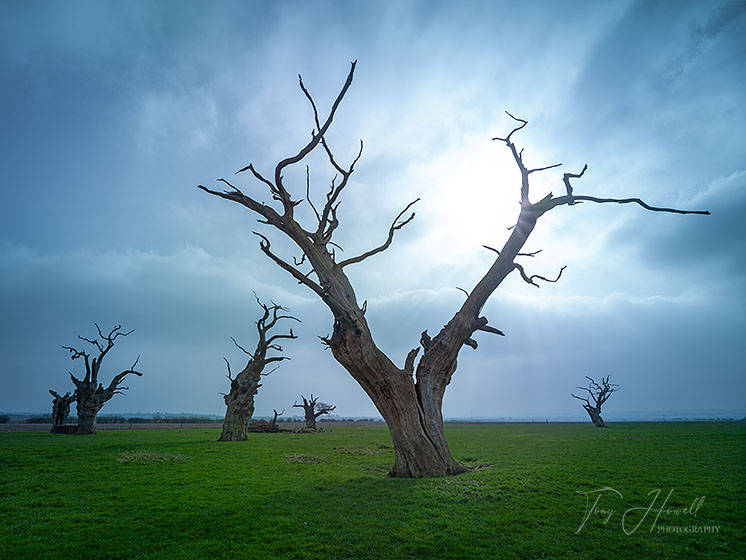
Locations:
{"points": [[61, 411], [240, 399], [409, 398], [313, 409], [91, 394], [266, 427], [598, 394]]}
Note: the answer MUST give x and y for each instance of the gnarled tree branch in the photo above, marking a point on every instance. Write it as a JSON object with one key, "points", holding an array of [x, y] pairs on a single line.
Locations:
{"points": [[395, 225]]}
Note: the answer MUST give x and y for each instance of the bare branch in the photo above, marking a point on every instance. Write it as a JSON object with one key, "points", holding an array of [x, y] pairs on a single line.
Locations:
{"points": [[395, 225], [76, 353], [308, 188], [581, 398], [315, 138], [241, 348], [532, 254], [530, 279], [114, 387], [227, 363], [264, 245], [409, 362], [271, 216], [96, 343], [529, 171], [507, 139], [278, 336], [490, 329], [276, 359], [574, 199], [567, 176], [323, 408], [598, 392], [274, 369]]}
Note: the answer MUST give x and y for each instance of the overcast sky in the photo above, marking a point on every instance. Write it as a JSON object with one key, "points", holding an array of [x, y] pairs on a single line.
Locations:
{"points": [[113, 113]]}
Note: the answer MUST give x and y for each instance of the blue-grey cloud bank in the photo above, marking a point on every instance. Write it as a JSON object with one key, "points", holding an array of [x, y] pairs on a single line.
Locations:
{"points": [[113, 112]]}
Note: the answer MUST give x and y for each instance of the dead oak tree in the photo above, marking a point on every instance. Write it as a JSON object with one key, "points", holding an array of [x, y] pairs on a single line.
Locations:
{"points": [[240, 399], [410, 397], [313, 409], [91, 394], [61, 410], [598, 394]]}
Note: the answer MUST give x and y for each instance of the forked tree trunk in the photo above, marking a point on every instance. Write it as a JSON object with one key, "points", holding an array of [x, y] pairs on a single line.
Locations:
{"points": [[418, 439]]}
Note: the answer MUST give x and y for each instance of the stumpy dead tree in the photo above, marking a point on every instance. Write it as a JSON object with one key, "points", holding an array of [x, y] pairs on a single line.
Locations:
{"points": [[313, 409], [240, 400], [61, 410], [598, 394], [267, 426], [409, 397], [92, 395]]}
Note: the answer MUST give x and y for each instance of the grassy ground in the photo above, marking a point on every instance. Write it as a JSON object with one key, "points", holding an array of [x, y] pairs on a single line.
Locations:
{"points": [[180, 494]]}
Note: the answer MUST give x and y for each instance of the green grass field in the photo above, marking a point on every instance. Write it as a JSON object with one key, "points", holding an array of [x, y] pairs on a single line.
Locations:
{"points": [[181, 494]]}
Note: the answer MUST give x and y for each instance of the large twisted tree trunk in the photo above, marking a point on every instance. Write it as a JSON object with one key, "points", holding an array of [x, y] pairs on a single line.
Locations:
{"points": [[409, 398], [240, 405], [412, 413]]}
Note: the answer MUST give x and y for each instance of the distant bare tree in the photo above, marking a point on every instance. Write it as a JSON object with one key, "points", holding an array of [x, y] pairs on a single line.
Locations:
{"points": [[598, 394], [61, 410], [92, 395], [313, 409], [409, 398], [240, 400]]}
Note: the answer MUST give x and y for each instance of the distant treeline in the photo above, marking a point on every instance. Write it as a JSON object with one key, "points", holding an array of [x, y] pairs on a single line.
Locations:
{"points": [[47, 419], [157, 419]]}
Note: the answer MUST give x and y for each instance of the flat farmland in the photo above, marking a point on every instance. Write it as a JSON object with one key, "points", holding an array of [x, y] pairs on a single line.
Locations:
{"points": [[634, 490]]}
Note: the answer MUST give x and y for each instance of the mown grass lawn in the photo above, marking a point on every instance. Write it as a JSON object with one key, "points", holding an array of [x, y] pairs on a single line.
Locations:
{"points": [[181, 494]]}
